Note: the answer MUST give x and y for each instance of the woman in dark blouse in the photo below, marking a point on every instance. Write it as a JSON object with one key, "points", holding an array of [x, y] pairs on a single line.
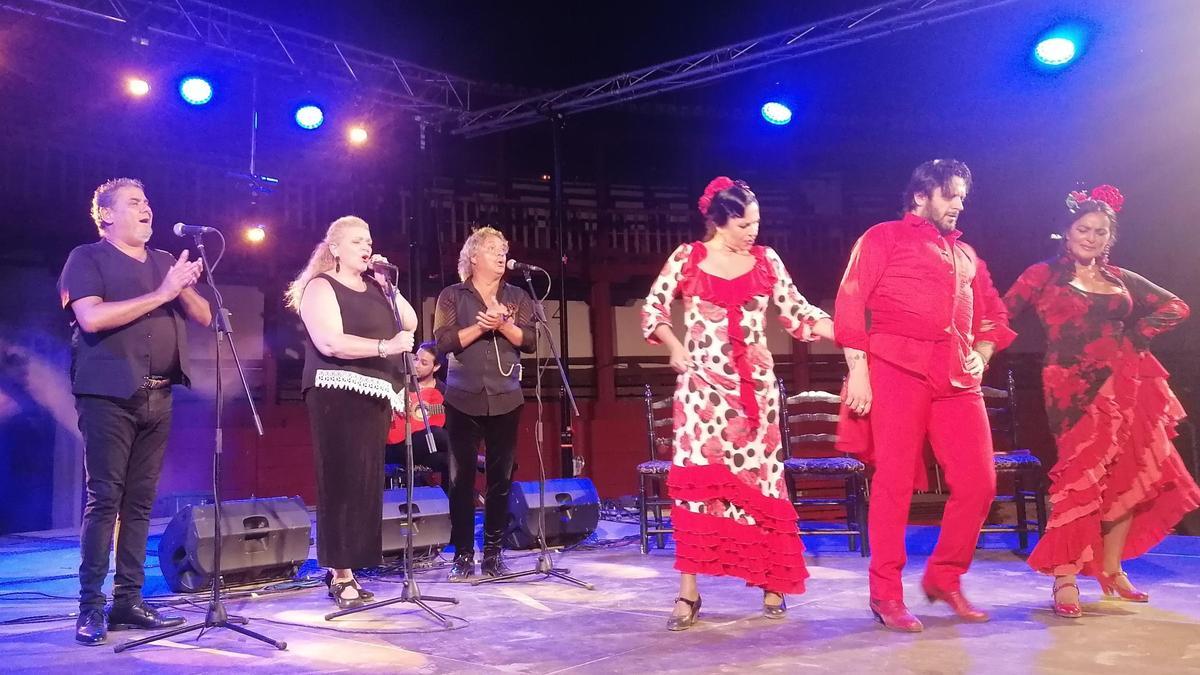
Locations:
{"points": [[1119, 485], [482, 325]]}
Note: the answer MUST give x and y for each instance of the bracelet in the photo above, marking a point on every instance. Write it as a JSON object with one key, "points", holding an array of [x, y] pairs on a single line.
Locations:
{"points": [[379, 346]]}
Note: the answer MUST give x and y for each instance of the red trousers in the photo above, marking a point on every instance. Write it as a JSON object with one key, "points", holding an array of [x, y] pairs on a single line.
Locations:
{"points": [[906, 407]]}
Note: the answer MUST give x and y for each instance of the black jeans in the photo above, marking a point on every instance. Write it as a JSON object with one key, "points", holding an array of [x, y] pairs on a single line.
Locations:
{"points": [[499, 436], [124, 444], [438, 461]]}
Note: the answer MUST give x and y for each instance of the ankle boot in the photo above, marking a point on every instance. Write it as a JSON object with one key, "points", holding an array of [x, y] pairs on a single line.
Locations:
{"points": [[493, 562]]}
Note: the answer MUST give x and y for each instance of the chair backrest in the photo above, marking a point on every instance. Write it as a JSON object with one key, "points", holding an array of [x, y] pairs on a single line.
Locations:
{"points": [[808, 422], [1001, 407], [660, 425]]}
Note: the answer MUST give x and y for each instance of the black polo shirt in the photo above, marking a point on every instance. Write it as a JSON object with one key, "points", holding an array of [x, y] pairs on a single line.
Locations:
{"points": [[116, 362], [475, 383]]}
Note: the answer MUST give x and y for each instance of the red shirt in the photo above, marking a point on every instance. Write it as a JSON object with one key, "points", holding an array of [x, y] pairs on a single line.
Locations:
{"points": [[921, 288]]}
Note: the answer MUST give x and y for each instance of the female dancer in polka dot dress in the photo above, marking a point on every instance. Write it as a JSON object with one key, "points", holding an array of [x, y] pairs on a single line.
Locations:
{"points": [[732, 515]]}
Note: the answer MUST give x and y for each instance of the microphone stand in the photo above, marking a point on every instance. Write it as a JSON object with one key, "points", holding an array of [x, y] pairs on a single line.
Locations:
{"points": [[216, 616], [545, 563], [411, 591]]}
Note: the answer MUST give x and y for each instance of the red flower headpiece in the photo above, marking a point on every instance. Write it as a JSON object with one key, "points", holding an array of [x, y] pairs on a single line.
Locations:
{"points": [[714, 186], [1101, 193]]}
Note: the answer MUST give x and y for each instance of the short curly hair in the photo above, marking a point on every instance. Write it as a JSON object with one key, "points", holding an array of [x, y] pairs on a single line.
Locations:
{"points": [[471, 246], [106, 194]]}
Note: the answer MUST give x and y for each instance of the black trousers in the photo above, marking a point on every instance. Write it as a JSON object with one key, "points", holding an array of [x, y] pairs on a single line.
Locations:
{"points": [[124, 444], [349, 431], [438, 460], [499, 436]]}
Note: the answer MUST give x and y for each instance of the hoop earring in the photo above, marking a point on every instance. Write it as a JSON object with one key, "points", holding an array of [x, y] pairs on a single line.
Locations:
{"points": [[337, 263]]}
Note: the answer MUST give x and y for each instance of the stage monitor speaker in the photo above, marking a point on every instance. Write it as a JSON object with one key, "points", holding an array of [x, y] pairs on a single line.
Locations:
{"points": [[572, 512], [431, 521], [261, 539]]}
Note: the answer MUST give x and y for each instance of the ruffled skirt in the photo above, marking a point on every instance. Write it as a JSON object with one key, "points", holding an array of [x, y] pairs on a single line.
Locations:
{"points": [[761, 546], [1118, 459]]}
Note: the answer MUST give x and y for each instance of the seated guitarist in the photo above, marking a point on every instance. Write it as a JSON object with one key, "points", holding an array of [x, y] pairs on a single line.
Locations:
{"points": [[433, 392]]}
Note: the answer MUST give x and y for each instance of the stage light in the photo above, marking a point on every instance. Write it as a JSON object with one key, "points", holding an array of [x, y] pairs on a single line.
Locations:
{"points": [[357, 135], [196, 90], [255, 234], [309, 116], [136, 86], [776, 113], [1055, 51]]}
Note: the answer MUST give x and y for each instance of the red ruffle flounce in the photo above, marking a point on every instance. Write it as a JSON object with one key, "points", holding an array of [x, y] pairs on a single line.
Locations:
{"points": [[1118, 459], [767, 554]]}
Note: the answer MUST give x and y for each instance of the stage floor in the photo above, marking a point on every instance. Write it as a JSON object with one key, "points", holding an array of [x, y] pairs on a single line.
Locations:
{"points": [[552, 627]]}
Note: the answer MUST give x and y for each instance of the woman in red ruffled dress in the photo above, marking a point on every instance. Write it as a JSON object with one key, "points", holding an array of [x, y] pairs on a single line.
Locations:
{"points": [[1119, 485], [732, 515]]}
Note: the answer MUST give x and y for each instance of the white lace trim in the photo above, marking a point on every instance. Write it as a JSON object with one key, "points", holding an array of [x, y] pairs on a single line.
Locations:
{"points": [[363, 384]]}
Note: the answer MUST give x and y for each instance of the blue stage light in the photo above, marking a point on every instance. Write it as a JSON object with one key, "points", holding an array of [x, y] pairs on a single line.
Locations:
{"points": [[195, 90], [776, 113], [1055, 51], [309, 116]]}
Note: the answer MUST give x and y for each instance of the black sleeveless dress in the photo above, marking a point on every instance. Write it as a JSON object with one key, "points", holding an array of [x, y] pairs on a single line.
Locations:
{"points": [[349, 405]]}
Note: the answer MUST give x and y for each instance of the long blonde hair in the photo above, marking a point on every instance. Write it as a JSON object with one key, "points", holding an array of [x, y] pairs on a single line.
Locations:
{"points": [[471, 247], [321, 259]]}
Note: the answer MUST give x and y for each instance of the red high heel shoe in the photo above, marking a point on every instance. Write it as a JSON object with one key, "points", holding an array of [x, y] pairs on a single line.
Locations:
{"points": [[1067, 610], [1108, 584]]}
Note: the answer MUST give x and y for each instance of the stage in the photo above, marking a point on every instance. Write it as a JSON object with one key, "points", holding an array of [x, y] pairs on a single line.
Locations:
{"points": [[551, 627]]}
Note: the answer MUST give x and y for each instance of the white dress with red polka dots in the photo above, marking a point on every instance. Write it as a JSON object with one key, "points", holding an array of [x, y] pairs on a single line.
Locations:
{"points": [[732, 514]]}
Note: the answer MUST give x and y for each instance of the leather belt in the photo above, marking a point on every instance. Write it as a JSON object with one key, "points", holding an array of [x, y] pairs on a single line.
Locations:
{"points": [[156, 382]]}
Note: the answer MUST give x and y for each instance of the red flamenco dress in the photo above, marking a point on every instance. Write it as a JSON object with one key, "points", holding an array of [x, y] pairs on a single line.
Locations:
{"points": [[1112, 413], [731, 515]]}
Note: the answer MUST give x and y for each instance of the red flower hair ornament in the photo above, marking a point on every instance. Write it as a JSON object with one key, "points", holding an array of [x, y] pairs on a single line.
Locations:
{"points": [[1107, 194], [714, 186]]}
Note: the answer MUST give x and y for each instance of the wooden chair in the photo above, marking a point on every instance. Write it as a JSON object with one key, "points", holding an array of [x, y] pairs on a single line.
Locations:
{"points": [[1018, 464], [809, 431], [652, 474]]}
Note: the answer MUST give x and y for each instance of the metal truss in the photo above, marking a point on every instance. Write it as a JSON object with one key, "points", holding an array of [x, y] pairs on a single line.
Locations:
{"points": [[806, 40], [407, 86]]}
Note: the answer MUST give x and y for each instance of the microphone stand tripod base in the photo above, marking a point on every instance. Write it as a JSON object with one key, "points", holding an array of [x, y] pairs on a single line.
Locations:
{"points": [[544, 568]]}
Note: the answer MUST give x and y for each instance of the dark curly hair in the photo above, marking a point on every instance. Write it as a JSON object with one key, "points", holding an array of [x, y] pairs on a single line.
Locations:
{"points": [[934, 174]]}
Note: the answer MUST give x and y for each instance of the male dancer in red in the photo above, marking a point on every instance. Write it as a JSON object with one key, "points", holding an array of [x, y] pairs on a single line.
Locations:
{"points": [[935, 321]]}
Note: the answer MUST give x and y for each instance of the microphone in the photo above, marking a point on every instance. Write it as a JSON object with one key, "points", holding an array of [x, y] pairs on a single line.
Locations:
{"points": [[383, 266], [185, 230], [523, 267]]}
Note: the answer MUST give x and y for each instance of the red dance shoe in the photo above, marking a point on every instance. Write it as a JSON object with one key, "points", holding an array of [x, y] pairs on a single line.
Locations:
{"points": [[895, 616], [1067, 610], [1108, 584], [961, 606]]}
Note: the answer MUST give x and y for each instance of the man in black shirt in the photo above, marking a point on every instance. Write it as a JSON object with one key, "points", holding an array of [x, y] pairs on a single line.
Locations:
{"points": [[126, 303]]}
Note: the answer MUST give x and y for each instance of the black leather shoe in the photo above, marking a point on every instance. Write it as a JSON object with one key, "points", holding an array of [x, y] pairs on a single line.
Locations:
{"points": [[463, 567], [91, 628], [493, 562], [362, 592], [139, 616], [345, 594]]}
